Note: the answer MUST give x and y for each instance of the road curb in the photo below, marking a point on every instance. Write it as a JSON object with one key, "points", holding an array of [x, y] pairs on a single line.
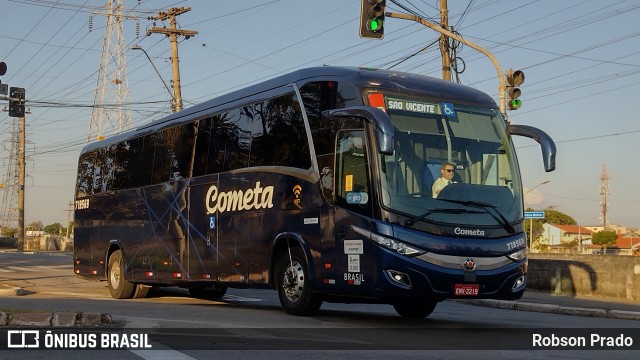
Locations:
{"points": [[57, 319], [8, 290], [557, 309]]}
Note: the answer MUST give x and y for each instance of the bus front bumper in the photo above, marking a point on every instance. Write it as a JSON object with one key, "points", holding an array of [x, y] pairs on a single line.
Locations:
{"points": [[445, 277]]}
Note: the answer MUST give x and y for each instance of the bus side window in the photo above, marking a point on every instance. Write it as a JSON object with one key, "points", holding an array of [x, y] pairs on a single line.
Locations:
{"points": [[181, 139], [158, 150], [136, 163], [352, 172], [236, 140], [279, 137], [201, 153], [85, 174]]}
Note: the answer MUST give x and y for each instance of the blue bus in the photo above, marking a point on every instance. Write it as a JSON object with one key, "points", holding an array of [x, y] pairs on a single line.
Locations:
{"points": [[317, 184]]}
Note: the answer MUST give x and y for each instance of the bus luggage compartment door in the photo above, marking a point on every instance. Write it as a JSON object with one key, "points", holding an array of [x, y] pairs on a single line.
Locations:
{"points": [[203, 236]]}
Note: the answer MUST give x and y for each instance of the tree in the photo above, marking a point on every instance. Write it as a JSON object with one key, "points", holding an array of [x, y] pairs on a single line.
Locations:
{"points": [[558, 218], [53, 229], [604, 238], [36, 226], [551, 216], [9, 232]]}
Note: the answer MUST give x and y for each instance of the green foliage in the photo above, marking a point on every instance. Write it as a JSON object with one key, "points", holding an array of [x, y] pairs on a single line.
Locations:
{"points": [[558, 218], [604, 238], [53, 229], [35, 226], [9, 232], [535, 226]]}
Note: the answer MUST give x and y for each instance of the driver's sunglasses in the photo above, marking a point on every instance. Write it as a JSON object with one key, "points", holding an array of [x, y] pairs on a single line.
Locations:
{"points": [[448, 170]]}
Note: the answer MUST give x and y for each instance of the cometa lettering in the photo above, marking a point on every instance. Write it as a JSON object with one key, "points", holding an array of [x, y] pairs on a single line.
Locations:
{"points": [[256, 198], [468, 232]]}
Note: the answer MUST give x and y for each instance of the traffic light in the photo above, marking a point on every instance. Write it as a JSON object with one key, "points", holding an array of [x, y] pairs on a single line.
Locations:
{"points": [[372, 19], [3, 70], [514, 79], [16, 102]]}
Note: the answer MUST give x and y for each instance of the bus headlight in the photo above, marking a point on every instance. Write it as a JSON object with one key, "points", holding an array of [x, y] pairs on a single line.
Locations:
{"points": [[398, 246], [518, 255], [395, 245]]}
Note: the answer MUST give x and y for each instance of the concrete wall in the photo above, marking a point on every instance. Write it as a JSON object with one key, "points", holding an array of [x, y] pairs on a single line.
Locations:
{"points": [[600, 276], [40, 243]]}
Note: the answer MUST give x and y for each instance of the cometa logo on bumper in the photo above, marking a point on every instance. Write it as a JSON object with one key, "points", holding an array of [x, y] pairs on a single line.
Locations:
{"points": [[468, 232], [256, 198]]}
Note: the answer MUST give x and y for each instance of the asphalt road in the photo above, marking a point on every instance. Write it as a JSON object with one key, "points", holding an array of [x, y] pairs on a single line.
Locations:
{"points": [[251, 324]]}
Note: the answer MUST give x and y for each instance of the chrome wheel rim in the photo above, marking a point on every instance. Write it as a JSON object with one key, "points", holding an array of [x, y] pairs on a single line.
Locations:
{"points": [[115, 275], [293, 282]]}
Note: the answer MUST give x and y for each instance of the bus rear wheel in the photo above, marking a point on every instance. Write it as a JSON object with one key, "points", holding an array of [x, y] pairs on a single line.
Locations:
{"points": [[294, 287], [415, 308], [119, 288]]}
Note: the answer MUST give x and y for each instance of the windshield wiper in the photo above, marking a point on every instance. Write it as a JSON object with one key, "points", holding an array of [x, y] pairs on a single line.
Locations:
{"points": [[496, 214], [437, 210]]}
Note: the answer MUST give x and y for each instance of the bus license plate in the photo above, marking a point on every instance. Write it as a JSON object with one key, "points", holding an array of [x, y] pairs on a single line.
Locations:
{"points": [[466, 290]]}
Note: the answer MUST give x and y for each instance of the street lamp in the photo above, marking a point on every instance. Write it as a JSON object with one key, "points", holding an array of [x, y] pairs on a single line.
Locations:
{"points": [[173, 99], [542, 183]]}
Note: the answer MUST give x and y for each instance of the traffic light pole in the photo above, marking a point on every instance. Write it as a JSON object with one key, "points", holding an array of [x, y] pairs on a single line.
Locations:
{"points": [[501, 81], [21, 176]]}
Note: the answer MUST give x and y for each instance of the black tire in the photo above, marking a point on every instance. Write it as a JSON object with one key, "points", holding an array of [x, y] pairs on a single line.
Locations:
{"points": [[419, 308], [294, 288], [141, 291], [215, 292], [119, 288]]}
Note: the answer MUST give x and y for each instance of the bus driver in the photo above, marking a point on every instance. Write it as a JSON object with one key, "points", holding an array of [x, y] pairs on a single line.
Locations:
{"points": [[447, 171]]}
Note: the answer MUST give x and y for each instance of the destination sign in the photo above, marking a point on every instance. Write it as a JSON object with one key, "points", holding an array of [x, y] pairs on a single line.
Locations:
{"points": [[413, 106]]}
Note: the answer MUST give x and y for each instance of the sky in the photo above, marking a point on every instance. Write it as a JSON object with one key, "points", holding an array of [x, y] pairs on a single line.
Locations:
{"points": [[581, 59]]}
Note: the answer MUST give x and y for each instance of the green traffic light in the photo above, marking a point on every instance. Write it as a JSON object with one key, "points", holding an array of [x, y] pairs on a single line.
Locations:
{"points": [[515, 104], [374, 25]]}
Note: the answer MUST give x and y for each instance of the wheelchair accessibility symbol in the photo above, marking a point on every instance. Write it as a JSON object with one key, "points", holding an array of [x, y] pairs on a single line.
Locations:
{"points": [[448, 109]]}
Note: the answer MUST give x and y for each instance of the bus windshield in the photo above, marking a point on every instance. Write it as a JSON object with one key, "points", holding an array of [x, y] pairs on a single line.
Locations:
{"points": [[471, 141]]}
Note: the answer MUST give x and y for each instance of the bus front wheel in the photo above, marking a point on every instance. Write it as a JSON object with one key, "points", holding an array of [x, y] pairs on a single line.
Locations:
{"points": [[415, 308], [294, 287], [119, 288]]}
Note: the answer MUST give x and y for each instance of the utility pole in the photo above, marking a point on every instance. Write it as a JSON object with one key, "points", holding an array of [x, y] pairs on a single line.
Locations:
{"points": [[173, 33], [21, 165], [69, 211], [604, 193], [444, 41]]}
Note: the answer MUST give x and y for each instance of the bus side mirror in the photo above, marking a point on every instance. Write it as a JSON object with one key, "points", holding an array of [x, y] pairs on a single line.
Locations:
{"points": [[545, 141], [374, 116]]}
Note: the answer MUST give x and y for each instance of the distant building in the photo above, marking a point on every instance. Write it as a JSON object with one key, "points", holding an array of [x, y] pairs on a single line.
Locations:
{"points": [[620, 230], [625, 245], [563, 235]]}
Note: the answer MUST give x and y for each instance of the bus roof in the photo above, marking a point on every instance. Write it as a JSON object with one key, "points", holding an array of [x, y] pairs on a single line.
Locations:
{"points": [[411, 84]]}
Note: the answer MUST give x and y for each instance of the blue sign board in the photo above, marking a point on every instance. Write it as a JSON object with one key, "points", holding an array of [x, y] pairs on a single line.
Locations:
{"points": [[534, 214]]}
